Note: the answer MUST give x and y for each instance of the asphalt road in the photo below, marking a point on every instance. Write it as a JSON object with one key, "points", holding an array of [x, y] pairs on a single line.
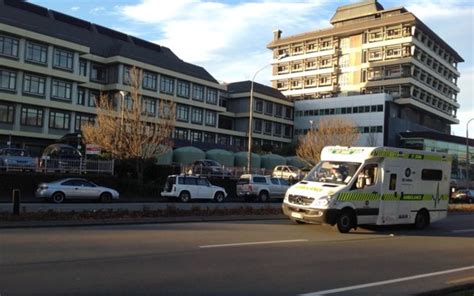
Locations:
{"points": [[236, 258]]}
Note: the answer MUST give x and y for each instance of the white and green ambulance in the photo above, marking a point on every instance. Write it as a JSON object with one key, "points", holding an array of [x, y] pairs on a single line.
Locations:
{"points": [[372, 185]]}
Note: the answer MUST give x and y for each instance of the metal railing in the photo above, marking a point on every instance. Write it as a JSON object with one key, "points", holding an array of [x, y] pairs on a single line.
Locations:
{"points": [[79, 166], [222, 172]]}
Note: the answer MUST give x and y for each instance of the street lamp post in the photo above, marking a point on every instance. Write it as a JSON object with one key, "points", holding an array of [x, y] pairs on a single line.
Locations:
{"points": [[122, 94], [468, 163], [249, 153]]}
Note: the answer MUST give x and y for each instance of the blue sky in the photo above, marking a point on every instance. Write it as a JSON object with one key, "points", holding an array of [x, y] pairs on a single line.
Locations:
{"points": [[229, 38]]}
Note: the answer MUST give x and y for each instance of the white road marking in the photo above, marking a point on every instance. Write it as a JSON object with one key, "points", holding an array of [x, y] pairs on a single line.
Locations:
{"points": [[254, 243], [462, 231], [369, 285]]}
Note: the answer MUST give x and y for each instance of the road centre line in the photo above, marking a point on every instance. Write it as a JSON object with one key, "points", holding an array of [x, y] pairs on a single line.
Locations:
{"points": [[462, 231], [254, 243], [374, 284]]}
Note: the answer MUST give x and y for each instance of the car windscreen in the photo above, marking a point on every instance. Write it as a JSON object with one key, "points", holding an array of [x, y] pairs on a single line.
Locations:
{"points": [[171, 180], [333, 172], [242, 181]]}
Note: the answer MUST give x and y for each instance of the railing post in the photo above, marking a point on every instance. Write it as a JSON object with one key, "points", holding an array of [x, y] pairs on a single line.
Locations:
{"points": [[16, 202]]}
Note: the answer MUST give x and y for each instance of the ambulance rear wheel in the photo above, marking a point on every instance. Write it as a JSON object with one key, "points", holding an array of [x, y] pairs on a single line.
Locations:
{"points": [[345, 221], [422, 219]]}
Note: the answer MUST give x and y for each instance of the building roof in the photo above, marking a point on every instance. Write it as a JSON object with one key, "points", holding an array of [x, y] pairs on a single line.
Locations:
{"points": [[102, 41], [244, 86], [436, 136], [356, 10]]}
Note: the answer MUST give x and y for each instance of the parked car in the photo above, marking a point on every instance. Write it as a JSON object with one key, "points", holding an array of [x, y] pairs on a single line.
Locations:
{"points": [[463, 195], [261, 188], [288, 172], [75, 188], [208, 167], [186, 187], [61, 157], [18, 159]]}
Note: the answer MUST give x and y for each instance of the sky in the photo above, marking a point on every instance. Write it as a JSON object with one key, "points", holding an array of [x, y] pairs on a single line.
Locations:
{"points": [[229, 38]]}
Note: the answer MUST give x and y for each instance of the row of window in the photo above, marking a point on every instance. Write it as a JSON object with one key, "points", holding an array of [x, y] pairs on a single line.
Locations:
{"points": [[342, 110], [360, 129], [37, 53], [270, 108], [272, 128], [34, 116], [197, 115], [427, 60], [433, 45]]}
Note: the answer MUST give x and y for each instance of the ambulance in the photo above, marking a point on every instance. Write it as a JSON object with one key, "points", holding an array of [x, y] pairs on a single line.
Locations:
{"points": [[354, 186]]}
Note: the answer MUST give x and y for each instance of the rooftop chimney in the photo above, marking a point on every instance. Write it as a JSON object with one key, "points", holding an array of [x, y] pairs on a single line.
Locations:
{"points": [[276, 34]]}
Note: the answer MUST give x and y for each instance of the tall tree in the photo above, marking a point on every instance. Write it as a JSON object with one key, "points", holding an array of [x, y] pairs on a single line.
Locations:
{"points": [[138, 129], [333, 131]]}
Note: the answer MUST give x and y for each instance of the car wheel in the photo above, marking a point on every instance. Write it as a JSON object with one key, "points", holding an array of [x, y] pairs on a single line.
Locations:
{"points": [[470, 200], [263, 196], [105, 197], [184, 196], [58, 197], [422, 219], [345, 221], [219, 197], [291, 179]]}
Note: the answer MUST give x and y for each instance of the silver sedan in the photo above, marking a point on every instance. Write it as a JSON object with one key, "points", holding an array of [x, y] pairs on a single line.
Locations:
{"points": [[74, 188]]}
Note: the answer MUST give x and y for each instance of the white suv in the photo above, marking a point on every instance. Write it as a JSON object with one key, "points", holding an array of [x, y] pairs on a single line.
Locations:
{"points": [[261, 188], [185, 188]]}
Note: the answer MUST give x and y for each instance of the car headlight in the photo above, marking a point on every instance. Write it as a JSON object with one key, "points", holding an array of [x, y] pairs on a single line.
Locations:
{"points": [[322, 202], [286, 196]]}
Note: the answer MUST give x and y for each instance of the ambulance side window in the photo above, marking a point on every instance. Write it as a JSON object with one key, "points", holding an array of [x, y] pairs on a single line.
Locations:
{"points": [[393, 182], [367, 177]]}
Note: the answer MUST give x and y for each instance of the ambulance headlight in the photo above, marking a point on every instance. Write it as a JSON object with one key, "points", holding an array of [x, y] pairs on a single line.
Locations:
{"points": [[286, 196], [322, 202]]}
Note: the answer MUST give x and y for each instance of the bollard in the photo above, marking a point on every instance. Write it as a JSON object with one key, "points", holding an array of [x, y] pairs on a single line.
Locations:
{"points": [[16, 202]]}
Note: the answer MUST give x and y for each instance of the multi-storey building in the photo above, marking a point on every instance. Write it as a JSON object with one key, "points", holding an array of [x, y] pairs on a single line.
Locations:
{"points": [[53, 67], [371, 50]]}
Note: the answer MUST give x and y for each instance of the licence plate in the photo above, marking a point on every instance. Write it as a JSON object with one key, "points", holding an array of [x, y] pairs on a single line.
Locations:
{"points": [[296, 215]]}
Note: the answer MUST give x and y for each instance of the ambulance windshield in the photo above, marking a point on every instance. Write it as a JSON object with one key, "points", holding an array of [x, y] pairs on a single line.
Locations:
{"points": [[333, 172]]}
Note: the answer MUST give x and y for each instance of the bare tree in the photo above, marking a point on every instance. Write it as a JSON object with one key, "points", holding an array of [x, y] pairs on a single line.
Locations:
{"points": [[133, 131], [333, 131]]}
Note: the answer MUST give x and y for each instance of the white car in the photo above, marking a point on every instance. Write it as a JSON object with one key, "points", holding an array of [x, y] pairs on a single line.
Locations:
{"points": [[288, 172], [261, 188], [186, 187]]}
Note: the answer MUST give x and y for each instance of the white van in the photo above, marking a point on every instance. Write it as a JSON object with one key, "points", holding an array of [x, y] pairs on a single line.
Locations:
{"points": [[372, 185]]}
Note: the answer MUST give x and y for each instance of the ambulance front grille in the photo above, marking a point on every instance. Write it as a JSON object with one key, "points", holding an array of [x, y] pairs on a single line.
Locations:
{"points": [[300, 200]]}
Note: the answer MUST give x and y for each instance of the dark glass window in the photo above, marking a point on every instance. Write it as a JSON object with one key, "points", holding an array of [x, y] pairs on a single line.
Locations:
{"points": [[149, 106], [59, 120], [269, 108], [61, 89], [149, 80], [198, 92], [81, 96], [82, 119], [180, 134], [196, 115], [196, 136], [259, 106], [257, 125], [31, 116], [211, 118], [98, 73], [288, 129], [63, 59], [37, 53], [82, 67], [278, 110], [182, 113], [6, 113], [8, 46], [288, 113], [379, 108], [7, 80], [211, 96], [431, 175], [209, 138], [277, 131], [268, 127], [167, 84], [34, 85], [223, 140], [94, 97], [183, 89]]}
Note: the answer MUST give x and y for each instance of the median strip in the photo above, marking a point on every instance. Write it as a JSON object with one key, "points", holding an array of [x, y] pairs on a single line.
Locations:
{"points": [[253, 243]]}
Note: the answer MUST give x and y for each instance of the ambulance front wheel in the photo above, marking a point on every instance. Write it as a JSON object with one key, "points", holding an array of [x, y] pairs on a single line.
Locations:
{"points": [[346, 221]]}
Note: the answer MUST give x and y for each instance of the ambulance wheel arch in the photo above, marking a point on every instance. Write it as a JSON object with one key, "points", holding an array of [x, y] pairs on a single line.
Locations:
{"points": [[346, 220], [422, 219]]}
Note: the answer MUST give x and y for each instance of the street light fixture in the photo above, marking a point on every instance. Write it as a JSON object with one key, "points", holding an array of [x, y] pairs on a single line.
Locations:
{"points": [[468, 162], [249, 153]]}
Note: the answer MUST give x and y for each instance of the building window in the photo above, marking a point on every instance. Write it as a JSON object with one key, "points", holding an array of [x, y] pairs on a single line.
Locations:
{"points": [[82, 119], [196, 136], [269, 108], [31, 116], [325, 63], [268, 127], [257, 127], [167, 84], [8, 46], [93, 98], [61, 89], [198, 92], [182, 113], [63, 59], [81, 96], [324, 80], [288, 113], [277, 131], [98, 73], [183, 88], [223, 140], [259, 106], [7, 80], [127, 79], [180, 134], [209, 138], [211, 118], [33, 85], [375, 55], [82, 67], [278, 110], [375, 36], [149, 80], [287, 131], [36, 53], [59, 120], [211, 96], [394, 52], [6, 113], [149, 106], [344, 61], [196, 115]]}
